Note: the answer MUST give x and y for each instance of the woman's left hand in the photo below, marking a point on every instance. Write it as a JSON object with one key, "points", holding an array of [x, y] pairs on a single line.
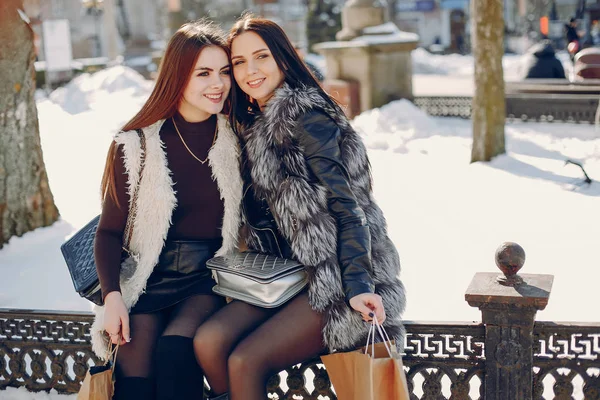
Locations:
{"points": [[369, 305]]}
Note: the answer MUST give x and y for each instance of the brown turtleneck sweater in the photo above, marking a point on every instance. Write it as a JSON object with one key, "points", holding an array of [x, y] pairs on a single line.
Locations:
{"points": [[199, 211]]}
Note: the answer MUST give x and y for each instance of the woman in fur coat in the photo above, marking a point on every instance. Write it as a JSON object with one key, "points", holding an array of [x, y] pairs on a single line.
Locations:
{"points": [[307, 179], [171, 180]]}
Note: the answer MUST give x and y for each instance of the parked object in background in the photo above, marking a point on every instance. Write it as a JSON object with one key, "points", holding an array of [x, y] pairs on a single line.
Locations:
{"points": [[541, 63], [346, 92], [587, 64]]}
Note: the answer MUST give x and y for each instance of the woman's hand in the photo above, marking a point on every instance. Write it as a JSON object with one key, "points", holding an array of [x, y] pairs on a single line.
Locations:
{"points": [[369, 305], [116, 318]]}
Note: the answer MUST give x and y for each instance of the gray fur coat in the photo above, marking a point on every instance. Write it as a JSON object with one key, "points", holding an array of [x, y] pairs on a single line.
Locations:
{"points": [[279, 173]]}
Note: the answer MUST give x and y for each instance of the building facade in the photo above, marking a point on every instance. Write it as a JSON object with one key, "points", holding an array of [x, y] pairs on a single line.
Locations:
{"points": [[446, 22], [441, 22]]}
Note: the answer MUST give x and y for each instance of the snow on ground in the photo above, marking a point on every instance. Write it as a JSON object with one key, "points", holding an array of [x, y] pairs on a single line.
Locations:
{"points": [[82, 123], [452, 74], [445, 215], [87, 91], [22, 394], [457, 65], [442, 85], [424, 62]]}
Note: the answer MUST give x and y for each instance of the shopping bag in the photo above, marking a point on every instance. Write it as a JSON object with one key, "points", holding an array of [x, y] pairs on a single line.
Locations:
{"points": [[374, 372], [98, 383]]}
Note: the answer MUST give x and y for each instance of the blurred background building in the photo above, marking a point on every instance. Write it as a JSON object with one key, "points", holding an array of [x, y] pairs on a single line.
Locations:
{"points": [[446, 22], [140, 28]]}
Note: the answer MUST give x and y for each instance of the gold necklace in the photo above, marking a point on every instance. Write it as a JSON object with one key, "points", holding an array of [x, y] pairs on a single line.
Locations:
{"points": [[188, 149]]}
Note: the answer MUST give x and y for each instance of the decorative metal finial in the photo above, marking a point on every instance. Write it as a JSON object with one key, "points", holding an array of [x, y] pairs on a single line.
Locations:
{"points": [[510, 258]]}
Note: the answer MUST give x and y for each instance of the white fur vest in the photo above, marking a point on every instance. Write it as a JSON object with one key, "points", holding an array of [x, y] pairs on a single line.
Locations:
{"points": [[156, 202], [278, 170]]}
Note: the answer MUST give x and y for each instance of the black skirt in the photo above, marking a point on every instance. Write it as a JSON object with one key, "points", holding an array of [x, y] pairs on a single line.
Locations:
{"points": [[180, 273]]}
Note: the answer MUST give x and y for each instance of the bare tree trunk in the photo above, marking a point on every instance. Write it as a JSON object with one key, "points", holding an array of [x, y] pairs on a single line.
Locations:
{"points": [[489, 109], [26, 202]]}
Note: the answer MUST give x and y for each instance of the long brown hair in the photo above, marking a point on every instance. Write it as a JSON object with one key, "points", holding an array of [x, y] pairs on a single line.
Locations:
{"points": [[289, 62], [175, 70]]}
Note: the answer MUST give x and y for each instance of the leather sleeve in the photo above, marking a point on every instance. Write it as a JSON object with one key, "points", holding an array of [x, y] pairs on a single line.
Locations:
{"points": [[320, 138]]}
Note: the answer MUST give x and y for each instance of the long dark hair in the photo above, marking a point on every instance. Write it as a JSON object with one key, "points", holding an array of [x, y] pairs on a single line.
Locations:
{"points": [[295, 72], [176, 67]]}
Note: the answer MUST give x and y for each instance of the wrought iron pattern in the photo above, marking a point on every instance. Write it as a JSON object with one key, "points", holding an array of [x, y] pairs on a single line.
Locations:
{"points": [[579, 108], [445, 106], [298, 382], [44, 350], [450, 352], [565, 353]]}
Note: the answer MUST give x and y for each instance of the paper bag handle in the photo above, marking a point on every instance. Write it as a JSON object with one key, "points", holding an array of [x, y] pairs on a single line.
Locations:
{"points": [[112, 356], [371, 338]]}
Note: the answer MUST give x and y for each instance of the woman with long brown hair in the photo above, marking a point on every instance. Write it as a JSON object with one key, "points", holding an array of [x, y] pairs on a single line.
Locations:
{"points": [[172, 180], [308, 187]]}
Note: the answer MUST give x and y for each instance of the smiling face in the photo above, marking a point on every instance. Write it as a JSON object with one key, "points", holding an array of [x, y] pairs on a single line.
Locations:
{"points": [[254, 67], [208, 87]]}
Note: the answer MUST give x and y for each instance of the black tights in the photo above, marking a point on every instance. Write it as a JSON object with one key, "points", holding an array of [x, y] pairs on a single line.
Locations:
{"points": [[138, 358], [241, 346]]}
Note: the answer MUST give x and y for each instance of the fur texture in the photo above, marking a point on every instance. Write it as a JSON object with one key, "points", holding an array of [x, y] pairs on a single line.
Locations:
{"points": [[156, 202], [281, 175]]}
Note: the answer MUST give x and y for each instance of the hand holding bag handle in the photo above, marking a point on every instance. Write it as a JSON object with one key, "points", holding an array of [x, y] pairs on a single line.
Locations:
{"points": [[361, 374], [388, 379], [99, 380]]}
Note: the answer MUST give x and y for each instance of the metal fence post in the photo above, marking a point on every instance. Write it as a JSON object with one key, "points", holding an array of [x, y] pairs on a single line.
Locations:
{"points": [[508, 304]]}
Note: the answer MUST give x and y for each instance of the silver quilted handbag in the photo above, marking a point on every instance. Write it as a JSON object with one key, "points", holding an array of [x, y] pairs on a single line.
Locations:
{"points": [[259, 279]]}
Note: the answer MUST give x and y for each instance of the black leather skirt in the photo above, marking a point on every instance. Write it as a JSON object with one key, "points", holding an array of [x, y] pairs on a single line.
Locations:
{"points": [[180, 273]]}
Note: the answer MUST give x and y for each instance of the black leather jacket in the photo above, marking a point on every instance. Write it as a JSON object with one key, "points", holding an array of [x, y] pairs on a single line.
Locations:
{"points": [[258, 215], [320, 138]]}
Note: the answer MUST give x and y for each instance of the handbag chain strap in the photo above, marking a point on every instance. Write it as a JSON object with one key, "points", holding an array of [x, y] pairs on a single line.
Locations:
{"points": [[133, 209]]}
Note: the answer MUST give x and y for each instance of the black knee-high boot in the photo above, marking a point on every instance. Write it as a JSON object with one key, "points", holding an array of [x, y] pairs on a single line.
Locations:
{"points": [[178, 375], [134, 388]]}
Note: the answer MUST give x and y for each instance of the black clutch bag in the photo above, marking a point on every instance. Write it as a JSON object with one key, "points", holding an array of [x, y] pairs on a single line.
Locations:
{"points": [[78, 250]]}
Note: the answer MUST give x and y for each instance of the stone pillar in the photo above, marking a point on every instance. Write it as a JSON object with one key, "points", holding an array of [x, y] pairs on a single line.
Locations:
{"points": [[373, 54], [508, 305], [358, 15]]}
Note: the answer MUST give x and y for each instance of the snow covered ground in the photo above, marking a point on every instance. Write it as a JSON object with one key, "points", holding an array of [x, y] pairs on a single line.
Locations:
{"points": [[425, 63], [452, 74], [445, 215], [22, 394]]}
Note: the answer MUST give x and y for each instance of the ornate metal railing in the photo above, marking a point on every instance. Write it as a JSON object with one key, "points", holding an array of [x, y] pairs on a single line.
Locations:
{"points": [[578, 108], [444, 360], [566, 360], [43, 350]]}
